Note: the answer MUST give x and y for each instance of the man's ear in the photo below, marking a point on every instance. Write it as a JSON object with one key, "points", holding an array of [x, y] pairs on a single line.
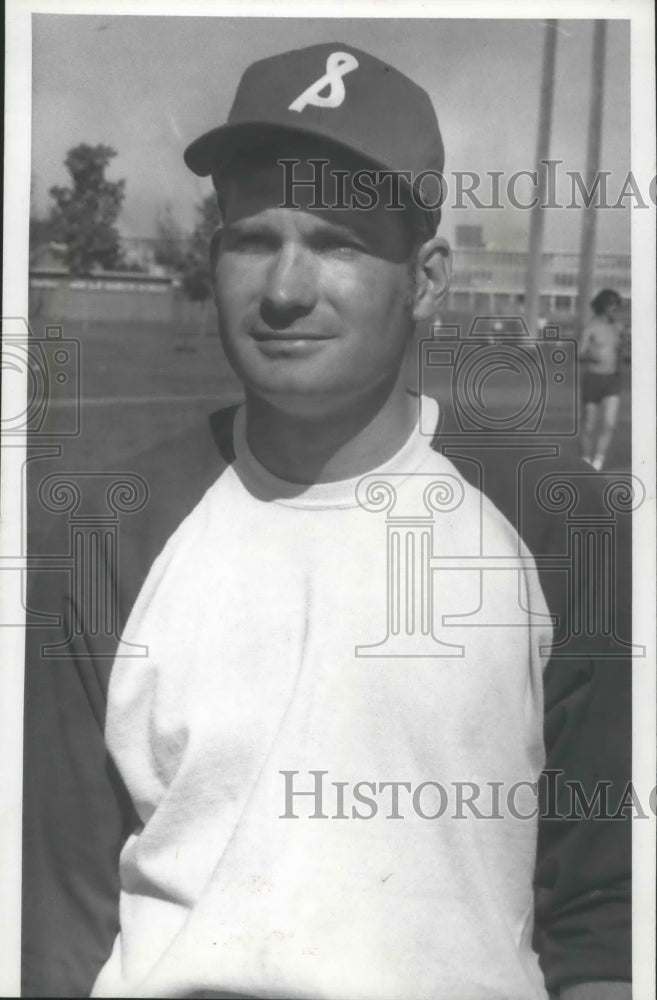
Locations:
{"points": [[433, 271]]}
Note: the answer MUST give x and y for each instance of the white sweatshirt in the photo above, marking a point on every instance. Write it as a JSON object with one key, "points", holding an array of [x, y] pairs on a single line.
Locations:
{"points": [[265, 618]]}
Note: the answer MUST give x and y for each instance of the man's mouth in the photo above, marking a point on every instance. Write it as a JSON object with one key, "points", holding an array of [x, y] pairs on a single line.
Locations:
{"points": [[290, 343], [289, 336]]}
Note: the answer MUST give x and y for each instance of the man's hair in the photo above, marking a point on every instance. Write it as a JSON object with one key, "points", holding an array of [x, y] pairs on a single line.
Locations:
{"points": [[607, 297]]}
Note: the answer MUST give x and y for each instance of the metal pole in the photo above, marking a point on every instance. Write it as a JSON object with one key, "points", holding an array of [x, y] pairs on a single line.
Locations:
{"points": [[537, 218], [590, 219]]}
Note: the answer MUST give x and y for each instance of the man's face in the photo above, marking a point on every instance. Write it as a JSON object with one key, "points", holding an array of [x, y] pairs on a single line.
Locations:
{"points": [[315, 305]]}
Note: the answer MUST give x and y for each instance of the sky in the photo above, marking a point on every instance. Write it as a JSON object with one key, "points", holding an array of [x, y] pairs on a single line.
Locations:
{"points": [[148, 85]]}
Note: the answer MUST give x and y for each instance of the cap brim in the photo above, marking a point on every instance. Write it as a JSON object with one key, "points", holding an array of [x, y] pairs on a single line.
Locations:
{"points": [[214, 149]]}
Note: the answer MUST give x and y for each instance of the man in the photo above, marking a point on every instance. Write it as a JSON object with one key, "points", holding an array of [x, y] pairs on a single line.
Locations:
{"points": [[600, 354], [267, 704]]}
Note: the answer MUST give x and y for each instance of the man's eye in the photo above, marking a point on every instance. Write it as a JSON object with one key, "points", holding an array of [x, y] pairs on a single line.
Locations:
{"points": [[341, 245], [248, 242]]}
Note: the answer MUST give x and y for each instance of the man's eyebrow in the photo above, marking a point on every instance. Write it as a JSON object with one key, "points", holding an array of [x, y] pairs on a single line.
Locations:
{"points": [[321, 227], [244, 222], [334, 227]]}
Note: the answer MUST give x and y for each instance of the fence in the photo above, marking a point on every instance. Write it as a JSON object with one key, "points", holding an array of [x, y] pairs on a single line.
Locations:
{"points": [[111, 297]]}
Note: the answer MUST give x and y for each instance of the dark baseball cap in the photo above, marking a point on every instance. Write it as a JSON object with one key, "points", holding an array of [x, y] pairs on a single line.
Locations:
{"points": [[335, 92]]}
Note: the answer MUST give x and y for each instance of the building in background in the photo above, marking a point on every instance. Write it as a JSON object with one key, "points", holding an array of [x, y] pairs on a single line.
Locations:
{"points": [[469, 236], [493, 281]]}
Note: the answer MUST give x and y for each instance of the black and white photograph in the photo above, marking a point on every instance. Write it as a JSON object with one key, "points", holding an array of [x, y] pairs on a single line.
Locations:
{"points": [[327, 560]]}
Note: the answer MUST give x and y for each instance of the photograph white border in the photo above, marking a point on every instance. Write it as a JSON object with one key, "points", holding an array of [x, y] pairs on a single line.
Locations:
{"points": [[15, 303]]}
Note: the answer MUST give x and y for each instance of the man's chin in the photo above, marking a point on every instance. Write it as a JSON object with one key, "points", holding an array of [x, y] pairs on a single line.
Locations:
{"points": [[309, 385], [308, 396], [283, 374], [318, 398]]}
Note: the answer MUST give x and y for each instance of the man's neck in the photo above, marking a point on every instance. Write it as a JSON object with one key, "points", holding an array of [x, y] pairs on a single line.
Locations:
{"points": [[337, 444]]}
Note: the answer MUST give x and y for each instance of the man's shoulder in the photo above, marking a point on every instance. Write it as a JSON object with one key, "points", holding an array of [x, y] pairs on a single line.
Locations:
{"points": [[171, 475], [202, 448], [533, 486]]}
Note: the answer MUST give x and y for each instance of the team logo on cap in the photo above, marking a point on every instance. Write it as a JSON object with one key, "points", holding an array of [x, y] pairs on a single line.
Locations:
{"points": [[338, 65]]}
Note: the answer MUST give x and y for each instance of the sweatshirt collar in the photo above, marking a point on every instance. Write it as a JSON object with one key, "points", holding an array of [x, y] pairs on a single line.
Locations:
{"points": [[342, 493]]}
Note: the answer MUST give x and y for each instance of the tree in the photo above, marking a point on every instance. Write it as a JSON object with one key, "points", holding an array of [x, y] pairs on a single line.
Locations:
{"points": [[196, 280], [84, 214], [171, 245], [187, 254], [40, 225], [40, 232]]}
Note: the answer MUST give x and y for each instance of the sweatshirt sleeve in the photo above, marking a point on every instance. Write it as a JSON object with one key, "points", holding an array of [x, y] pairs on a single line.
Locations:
{"points": [[583, 874], [76, 810]]}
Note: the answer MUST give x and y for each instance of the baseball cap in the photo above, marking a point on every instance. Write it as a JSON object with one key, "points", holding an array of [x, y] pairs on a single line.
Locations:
{"points": [[336, 92]]}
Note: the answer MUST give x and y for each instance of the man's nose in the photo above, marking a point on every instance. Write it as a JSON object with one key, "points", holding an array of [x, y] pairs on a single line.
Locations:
{"points": [[291, 289]]}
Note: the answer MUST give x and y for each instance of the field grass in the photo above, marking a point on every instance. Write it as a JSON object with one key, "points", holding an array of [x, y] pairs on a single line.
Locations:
{"points": [[140, 384]]}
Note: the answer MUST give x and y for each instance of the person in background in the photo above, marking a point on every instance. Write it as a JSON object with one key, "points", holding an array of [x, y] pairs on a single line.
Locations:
{"points": [[601, 380]]}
